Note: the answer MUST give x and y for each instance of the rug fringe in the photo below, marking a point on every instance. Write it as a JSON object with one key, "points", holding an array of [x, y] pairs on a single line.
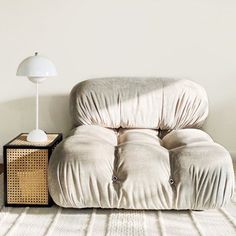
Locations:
{"points": [[161, 223], [91, 223], [196, 223], [228, 216], [53, 222], [17, 221]]}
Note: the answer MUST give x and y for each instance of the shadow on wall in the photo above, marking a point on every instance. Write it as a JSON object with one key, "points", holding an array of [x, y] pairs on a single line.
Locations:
{"points": [[18, 116], [220, 124]]}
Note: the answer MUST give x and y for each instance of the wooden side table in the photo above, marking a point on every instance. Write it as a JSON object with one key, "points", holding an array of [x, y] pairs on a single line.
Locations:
{"points": [[26, 171]]}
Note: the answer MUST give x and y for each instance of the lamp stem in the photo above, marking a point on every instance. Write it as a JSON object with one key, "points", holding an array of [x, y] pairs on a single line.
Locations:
{"points": [[37, 105]]}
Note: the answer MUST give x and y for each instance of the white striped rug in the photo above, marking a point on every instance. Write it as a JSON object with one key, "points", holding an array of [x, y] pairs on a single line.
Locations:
{"points": [[58, 221]]}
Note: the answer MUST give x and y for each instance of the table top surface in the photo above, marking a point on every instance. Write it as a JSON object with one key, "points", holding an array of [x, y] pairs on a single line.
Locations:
{"points": [[21, 140]]}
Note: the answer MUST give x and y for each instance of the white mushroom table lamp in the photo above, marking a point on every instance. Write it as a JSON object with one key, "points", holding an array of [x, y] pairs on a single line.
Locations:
{"points": [[37, 69]]}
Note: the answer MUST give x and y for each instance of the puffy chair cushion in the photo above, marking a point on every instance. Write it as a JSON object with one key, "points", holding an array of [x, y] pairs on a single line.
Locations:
{"points": [[81, 170], [202, 170], [134, 145], [134, 169], [139, 103], [143, 170]]}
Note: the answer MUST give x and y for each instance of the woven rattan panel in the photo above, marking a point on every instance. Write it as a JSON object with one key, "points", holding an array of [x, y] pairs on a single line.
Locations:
{"points": [[22, 140], [27, 176]]}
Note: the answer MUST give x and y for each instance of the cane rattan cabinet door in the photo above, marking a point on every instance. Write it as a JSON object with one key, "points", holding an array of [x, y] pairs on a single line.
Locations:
{"points": [[27, 176]]}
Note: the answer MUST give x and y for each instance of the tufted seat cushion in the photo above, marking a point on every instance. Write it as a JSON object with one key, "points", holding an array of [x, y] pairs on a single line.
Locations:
{"points": [[108, 162], [135, 169]]}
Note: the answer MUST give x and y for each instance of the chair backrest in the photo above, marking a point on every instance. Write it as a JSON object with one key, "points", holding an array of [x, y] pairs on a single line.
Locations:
{"points": [[154, 103]]}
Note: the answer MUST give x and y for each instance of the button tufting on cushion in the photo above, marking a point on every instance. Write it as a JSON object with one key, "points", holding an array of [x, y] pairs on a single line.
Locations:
{"points": [[114, 178]]}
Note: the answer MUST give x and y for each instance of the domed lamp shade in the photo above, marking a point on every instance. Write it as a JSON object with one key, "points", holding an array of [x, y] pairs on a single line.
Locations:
{"points": [[37, 69]]}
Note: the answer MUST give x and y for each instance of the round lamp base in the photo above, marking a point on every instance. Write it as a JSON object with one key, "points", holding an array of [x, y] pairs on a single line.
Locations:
{"points": [[37, 136]]}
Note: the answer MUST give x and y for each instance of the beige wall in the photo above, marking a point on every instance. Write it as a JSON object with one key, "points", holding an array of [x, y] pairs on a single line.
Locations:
{"points": [[194, 39]]}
